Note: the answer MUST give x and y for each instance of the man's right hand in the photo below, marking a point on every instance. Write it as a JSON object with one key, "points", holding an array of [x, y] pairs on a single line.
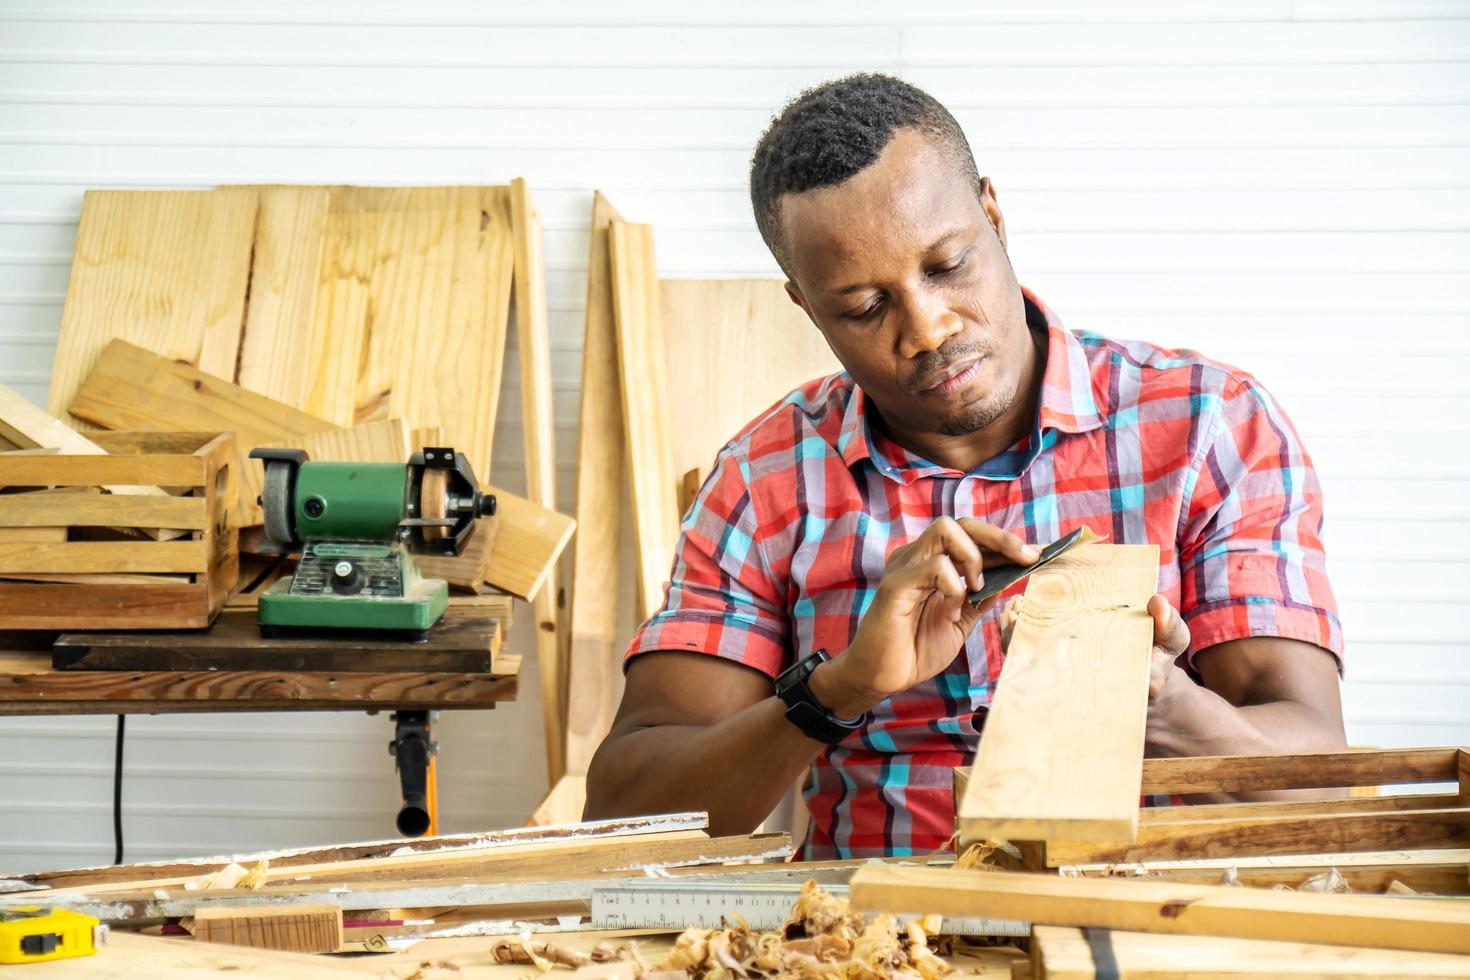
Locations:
{"points": [[920, 616]]}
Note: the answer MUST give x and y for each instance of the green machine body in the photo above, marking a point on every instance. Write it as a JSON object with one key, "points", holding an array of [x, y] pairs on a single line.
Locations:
{"points": [[356, 527]]}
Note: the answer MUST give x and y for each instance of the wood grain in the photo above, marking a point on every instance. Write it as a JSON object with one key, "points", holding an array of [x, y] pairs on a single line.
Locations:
{"points": [[1061, 754], [105, 556], [642, 375], [1321, 770], [1149, 906], [298, 928], [592, 666], [166, 270], [533, 348], [527, 544], [51, 510], [464, 641]]}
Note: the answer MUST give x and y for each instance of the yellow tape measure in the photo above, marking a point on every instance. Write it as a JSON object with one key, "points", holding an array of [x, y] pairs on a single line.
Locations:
{"points": [[35, 933]]}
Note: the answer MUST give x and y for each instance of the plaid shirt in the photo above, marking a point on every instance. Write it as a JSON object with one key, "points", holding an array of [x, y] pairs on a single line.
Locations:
{"points": [[783, 550]]}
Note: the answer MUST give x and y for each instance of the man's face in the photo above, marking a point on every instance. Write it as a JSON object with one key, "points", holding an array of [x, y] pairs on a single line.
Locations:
{"points": [[903, 268]]}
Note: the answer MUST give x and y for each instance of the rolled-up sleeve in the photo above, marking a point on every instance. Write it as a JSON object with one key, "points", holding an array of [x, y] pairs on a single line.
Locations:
{"points": [[1251, 558], [723, 598]]}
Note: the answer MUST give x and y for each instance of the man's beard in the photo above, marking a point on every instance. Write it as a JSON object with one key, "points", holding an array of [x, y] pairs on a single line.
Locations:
{"points": [[979, 415]]}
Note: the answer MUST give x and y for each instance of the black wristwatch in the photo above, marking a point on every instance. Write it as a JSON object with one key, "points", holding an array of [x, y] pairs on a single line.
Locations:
{"points": [[807, 713]]}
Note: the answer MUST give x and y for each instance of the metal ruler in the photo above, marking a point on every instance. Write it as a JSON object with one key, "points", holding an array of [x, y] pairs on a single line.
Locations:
{"points": [[675, 905]]}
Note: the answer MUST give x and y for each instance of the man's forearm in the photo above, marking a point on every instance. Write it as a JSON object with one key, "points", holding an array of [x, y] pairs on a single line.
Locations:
{"points": [[1201, 722], [737, 769]]}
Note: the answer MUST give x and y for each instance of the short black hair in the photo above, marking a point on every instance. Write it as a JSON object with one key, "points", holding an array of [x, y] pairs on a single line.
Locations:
{"points": [[831, 132]]}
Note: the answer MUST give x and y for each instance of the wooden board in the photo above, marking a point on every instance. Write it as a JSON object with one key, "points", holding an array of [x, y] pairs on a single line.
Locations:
{"points": [[412, 306], [1149, 906], [167, 270], [592, 665], [464, 641], [527, 544], [132, 956], [1320, 770], [280, 317], [299, 928], [642, 376], [1061, 953], [732, 349], [30, 686], [1061, 755], [533, 348], [465, 571]]}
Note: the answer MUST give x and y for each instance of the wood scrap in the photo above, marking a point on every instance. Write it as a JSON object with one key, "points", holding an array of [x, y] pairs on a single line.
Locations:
{"points": [[466, 571], [643, 382], [527, 544], [298, 928], [1153, 906], [1316, 770], [167, 270], [1061, 755]]}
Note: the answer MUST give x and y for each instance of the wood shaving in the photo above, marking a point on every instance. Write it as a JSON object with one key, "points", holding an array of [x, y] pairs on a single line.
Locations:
{"points": [[256, 877]]}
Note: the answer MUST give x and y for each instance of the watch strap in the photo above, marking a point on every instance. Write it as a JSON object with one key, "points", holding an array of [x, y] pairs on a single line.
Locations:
{"points": [[803, 709]]}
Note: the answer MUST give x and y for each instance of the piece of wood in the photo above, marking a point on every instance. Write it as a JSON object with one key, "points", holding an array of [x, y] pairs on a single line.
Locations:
{"points": [[564, 804], [385, 441], [1148, 906], [527, 544], [467, 570], [1442, 877], [1318, 833], [56, 511], [297, 928], [1297, 808], [105, 556], [533, 348], [33, 534], [593, 658], [30, 686], [26, 470], [1062, 751], [642, 376], [167, 270], [133, 956], [280, 317], [464, 641], [1063, 953], [1321, 770]]}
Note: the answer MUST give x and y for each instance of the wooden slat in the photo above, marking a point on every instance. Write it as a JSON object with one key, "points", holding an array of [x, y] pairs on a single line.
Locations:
{"points": [[133, 956], [1446, 877], [533, 348], [1062, 953], [49, 510], [114, 472], [527, 544], [106, 602], [464, 641], [1061, 754], [105, 556], [298, 928], [167, 270], [593, 660], [641, 374], [33, 534], [1314, 834], [1148, 906], [1323, 770], [28, 686], [280, 317], [1153, 815], [465, 571]]}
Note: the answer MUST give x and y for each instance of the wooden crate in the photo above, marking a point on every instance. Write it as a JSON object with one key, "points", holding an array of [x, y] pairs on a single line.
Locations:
{"points": [[80, 584]]}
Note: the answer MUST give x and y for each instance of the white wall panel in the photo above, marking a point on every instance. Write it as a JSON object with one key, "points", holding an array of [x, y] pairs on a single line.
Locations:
{"points": [[1281, 184]]}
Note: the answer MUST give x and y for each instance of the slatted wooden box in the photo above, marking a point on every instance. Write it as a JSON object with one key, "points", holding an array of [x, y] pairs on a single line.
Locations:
{"points": [[77, 582]]}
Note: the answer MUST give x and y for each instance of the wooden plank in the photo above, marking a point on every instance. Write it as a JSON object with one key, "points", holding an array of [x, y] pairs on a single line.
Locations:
{"points": [[527, 544], [1322, 770], [280, 317], [32, 534], [107, 602], [1063, 953], [592, 664], [133, 956], [1149, 906], [1445, 877], [533, 348], [105, 556], [298, 928], [411, 311], [49, 510], [644, 386], [28, 686], [22, 470], [467, 570], [464, 641], [1313, 834], [167, 270], [384, 441], [1297, 808], [1062, 751]]}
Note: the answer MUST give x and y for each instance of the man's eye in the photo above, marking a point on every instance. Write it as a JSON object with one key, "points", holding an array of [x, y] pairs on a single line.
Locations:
{"points": [[867, 312], [950, 267]]}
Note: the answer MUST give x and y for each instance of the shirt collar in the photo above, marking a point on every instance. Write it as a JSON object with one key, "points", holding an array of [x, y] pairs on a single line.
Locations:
{"points": [[1067, 404]]}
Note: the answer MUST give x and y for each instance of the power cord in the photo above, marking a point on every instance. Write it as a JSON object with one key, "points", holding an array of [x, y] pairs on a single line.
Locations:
{"points": [[117, 774]]}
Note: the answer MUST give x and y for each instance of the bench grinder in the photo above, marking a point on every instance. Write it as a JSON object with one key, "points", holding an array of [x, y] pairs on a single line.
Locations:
{"points": [[356, 526]]}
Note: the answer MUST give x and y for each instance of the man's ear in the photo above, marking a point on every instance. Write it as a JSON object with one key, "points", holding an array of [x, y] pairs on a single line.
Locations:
{"points": [[992, 209]]}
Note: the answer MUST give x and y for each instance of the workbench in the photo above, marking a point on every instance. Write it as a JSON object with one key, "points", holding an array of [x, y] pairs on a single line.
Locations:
{"points": [[29, 685]]}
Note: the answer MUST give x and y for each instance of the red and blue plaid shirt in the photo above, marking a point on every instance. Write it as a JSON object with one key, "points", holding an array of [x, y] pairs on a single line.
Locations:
{"points": [[783, 550]]}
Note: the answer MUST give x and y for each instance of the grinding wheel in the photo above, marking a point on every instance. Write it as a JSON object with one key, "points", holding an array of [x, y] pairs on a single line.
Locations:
{"points": [[275, 501], [434, 502]]}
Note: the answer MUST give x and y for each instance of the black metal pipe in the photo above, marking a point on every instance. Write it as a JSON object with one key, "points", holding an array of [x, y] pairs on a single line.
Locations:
{"points": [[412, 748]]}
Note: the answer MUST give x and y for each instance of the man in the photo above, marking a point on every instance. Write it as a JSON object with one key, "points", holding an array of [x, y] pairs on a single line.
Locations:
{"points": [[967, 427]]}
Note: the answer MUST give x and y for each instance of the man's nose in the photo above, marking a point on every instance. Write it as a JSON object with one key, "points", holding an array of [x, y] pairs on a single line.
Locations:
{"points": [[927, 323]]}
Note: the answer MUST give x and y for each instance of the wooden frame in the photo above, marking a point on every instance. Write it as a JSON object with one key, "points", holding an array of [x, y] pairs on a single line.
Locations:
{"points": [[120, 584]]}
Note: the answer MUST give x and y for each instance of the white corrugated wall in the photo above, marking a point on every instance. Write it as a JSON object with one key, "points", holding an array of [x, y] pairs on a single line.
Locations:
{"points": [[1283, 184]]}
